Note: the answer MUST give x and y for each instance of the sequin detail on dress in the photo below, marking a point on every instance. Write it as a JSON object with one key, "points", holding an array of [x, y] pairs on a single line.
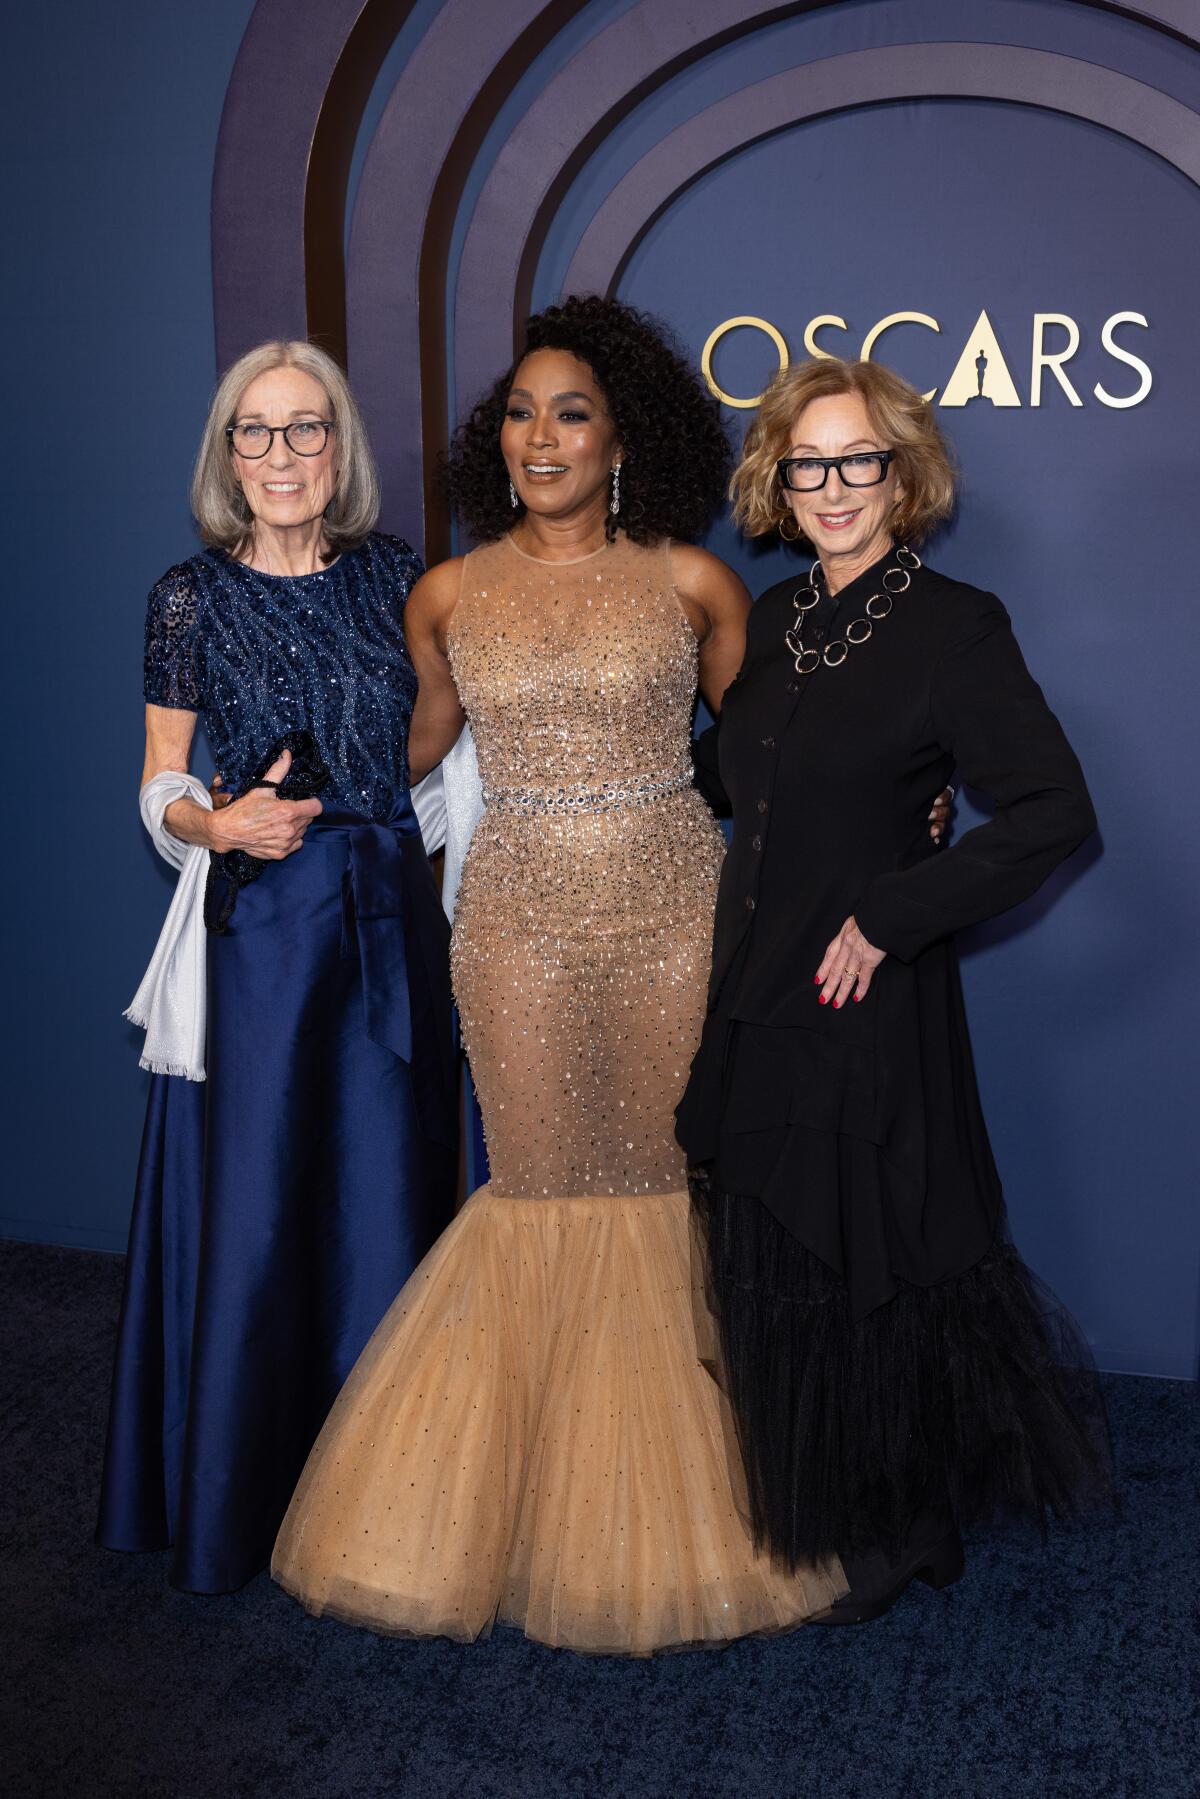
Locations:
{"points": [[260, 655], [582, 940], [532, 1434]]}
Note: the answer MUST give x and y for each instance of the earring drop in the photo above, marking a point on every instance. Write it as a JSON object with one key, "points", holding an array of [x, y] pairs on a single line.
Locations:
{"points": [[512, 494], [614, 505]]}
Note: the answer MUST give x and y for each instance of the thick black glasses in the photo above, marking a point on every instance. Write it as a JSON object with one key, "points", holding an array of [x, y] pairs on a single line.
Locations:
{"points": [[808, 474], [307, 437]]}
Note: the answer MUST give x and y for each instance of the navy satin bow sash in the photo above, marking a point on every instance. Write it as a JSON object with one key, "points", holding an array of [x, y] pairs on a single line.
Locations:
{"points": [[393, 918]]}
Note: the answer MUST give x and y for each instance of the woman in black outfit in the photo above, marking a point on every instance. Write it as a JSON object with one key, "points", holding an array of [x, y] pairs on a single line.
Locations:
{"points": [[892, 1367]]}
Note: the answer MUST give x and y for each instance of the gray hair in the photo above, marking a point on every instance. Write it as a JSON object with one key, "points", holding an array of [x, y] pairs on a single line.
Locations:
{"points": [[219, 506]]}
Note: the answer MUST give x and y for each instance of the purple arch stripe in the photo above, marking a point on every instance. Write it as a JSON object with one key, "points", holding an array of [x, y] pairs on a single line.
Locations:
{"points": [[408, 192], [285, 65], [1177, 16], [904, 72]]}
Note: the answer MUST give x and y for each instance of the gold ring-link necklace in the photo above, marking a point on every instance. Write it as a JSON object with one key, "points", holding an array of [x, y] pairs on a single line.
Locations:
{"points": [[894, 580]]}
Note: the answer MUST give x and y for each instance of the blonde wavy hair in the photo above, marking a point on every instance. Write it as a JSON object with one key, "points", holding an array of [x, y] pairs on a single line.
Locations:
{"points": [[902, 420], [219, 507]]}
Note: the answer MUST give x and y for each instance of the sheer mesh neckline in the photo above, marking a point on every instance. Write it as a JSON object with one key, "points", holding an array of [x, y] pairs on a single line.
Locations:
{"points": [[555, 562]]}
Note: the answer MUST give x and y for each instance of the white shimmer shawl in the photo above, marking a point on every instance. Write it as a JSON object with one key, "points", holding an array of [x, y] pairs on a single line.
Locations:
{"points": [[463, 810], [170, 1002]]}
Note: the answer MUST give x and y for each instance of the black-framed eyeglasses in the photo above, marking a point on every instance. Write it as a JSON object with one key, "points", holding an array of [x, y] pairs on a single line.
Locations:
{"points": [[307, 437], [808, 474]]}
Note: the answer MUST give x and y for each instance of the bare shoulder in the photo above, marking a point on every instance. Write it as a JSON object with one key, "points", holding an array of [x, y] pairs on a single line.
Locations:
{"points": [[707, 582], [435, 596]]}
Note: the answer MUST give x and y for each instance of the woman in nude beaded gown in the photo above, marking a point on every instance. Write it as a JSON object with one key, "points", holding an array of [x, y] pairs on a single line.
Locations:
{"points": [[531, 1434]]}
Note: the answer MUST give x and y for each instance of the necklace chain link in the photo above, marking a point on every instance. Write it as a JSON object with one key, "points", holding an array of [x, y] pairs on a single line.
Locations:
{"points": [[893, 581]]}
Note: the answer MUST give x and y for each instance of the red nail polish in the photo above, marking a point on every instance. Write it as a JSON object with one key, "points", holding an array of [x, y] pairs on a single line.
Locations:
{"points": [[837, 1005], [824, 1000], [816, 980], [857, 998]]}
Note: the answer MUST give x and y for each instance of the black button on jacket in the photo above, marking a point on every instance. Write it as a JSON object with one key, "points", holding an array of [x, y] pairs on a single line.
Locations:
{"points": [[861, 1127]]}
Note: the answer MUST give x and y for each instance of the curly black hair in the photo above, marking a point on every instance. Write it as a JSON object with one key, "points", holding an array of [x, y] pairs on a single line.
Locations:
{"points": [[677, 459]]}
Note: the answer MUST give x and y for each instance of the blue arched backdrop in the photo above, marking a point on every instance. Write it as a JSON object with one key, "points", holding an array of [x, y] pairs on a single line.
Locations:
{"points": [[1080, 516]]}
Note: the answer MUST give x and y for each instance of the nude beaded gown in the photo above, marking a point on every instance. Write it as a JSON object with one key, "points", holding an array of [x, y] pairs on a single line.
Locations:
{"points": [[530, 1434]]}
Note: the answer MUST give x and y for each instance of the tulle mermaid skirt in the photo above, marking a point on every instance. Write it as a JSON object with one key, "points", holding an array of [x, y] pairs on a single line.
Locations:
{"points": [[531, 1437]]}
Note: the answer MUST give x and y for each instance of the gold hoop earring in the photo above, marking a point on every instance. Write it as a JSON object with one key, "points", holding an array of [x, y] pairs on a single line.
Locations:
{"points": [[794, 534]]}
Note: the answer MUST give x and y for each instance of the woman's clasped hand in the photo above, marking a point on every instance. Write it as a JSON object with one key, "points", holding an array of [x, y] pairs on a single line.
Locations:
{"points": [[262, 822]]}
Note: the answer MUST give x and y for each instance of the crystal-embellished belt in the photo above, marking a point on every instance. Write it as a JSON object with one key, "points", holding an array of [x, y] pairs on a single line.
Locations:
{"points": [[560, 800]]}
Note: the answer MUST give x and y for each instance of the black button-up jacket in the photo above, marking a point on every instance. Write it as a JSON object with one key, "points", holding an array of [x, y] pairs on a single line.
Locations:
{"points": [[831, 777]]}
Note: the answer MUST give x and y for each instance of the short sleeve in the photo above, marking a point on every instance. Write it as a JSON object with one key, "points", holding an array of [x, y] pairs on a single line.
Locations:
{"points": [[402, 566], [173, 669]]}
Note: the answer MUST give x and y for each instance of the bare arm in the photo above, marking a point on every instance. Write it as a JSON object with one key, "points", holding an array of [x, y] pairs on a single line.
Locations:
{"points": [[169, 734], [717, 606], [260, 823], [438, 716]]}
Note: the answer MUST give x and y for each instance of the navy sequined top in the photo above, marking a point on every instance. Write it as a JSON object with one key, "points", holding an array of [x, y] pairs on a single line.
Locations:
{"points": [[259, 654]]}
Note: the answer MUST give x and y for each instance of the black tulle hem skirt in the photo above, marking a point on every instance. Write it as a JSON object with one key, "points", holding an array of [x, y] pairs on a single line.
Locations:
{"points": [[974, 1398]]}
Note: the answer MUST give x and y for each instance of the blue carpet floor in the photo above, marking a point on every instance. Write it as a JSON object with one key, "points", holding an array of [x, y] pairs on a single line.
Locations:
{"points": [[1047, 1672]]}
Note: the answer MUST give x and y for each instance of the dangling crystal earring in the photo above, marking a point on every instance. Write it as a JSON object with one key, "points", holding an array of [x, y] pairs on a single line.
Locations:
{"points": [[614, 505], [512, 494]]}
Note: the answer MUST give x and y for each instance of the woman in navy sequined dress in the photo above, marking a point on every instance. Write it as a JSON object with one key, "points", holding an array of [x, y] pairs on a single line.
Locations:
{"points": [[282, 1201]]}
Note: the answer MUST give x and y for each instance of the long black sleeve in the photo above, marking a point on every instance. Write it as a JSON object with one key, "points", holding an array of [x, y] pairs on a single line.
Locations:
{"points": [[706, 773], [991, 715]]}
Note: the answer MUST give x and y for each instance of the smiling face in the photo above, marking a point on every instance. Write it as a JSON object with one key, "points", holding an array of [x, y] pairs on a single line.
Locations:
{"points": [[285, 490], [850, 527], [558, 441]]}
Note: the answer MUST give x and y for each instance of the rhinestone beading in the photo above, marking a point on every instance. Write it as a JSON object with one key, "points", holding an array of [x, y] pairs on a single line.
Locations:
{"points": [[638, 791]]}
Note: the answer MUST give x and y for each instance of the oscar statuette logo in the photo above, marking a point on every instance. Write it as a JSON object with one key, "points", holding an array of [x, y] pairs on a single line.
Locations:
{"points": [[981, 374]]}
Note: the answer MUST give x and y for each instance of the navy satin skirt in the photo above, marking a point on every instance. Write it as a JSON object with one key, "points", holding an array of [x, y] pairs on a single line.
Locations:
{"points": [[283, 1202]]}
